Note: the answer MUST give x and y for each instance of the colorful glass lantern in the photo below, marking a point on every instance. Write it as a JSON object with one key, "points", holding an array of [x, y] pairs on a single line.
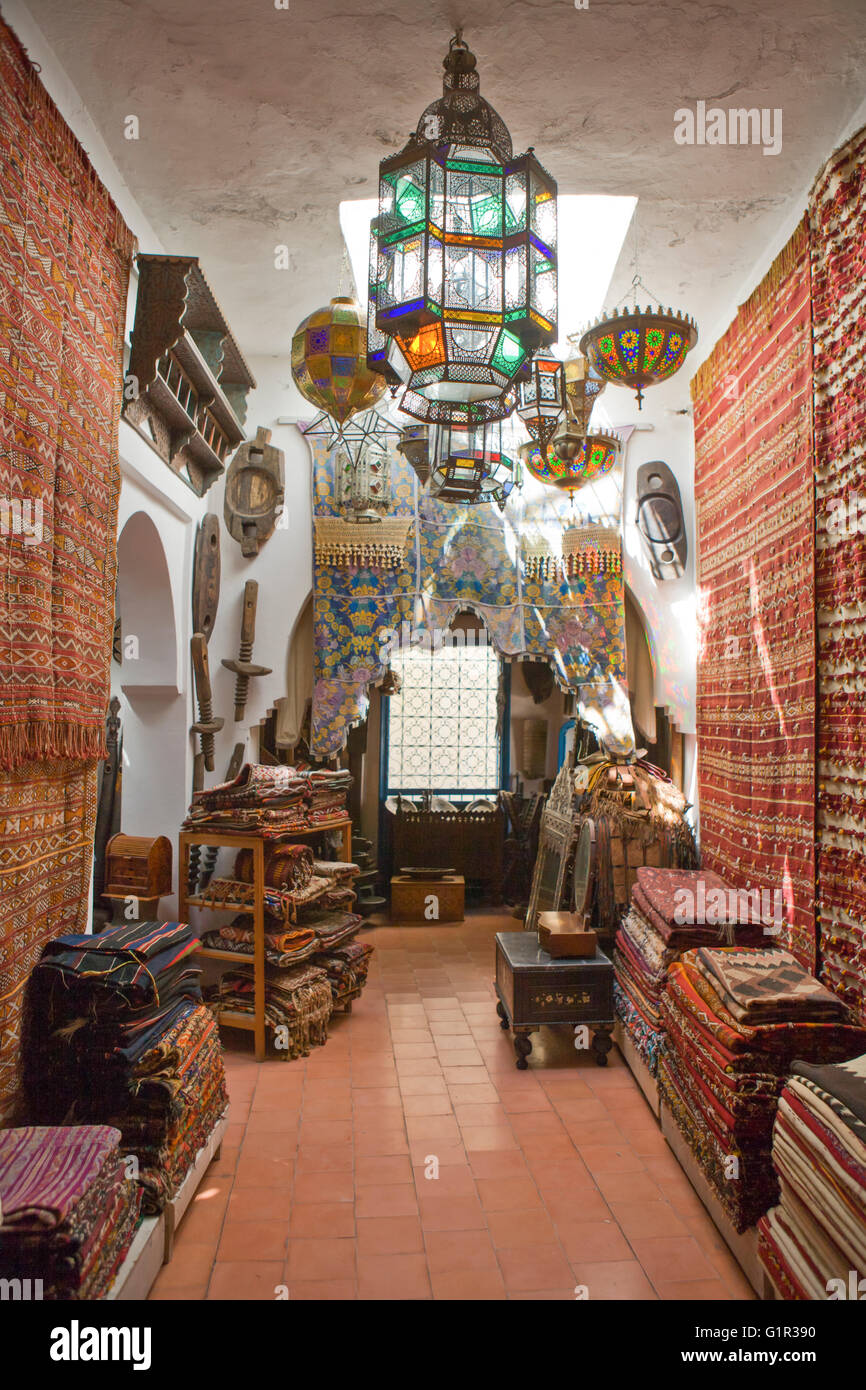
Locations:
{"points": [[573, 459], [329, 361], [583, 387], [469, 466], [639, 347], [542, 398], [464, 279]]}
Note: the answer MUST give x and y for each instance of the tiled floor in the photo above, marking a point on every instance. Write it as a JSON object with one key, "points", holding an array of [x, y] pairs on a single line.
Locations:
{"points": [[408, 1158]]}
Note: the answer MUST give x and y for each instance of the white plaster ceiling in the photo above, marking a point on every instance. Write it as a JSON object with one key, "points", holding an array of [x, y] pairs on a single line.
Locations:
{"points": [[255, 122]]}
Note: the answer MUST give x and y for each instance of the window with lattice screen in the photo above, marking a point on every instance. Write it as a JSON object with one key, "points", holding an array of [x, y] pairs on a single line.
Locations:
{"points": [[442, 731]]}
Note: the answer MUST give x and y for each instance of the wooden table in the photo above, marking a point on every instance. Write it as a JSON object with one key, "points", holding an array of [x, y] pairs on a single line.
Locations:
{"points": [[232, 1019], [536, 991]]}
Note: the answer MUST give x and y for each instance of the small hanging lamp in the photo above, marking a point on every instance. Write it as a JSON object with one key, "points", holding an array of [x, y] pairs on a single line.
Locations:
{"points": [[329, 361], [583, 386], [639, 347], [542, 398], [469, 466]]}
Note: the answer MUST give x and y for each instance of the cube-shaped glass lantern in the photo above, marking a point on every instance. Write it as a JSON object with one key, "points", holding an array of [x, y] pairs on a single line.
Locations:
{"points": [[469, 466]]}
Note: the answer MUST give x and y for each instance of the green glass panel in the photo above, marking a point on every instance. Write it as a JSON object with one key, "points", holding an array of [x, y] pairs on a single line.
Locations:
{"points": [[509, 353], [487, 216], [409, 199]]}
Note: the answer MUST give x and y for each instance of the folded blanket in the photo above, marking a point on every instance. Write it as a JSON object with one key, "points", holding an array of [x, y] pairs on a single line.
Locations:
{"points": [[767, 986], [335, 869], [288, 867]]}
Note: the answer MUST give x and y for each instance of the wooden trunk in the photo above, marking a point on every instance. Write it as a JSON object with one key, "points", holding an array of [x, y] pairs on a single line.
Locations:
{"points": [[417, 900], [138, 866]]}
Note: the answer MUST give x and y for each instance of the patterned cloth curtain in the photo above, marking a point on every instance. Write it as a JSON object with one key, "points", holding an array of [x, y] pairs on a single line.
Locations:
{"points": [[837, 211], [756, 662], [64, 270], [65, 256], [459, 558]]}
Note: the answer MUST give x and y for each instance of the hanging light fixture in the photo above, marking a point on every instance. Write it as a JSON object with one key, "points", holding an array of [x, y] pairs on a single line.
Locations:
{"points": [[573, 459], [583, 386], [414, 445], [329, 361], [542, 398], [463, 281], [639, 347], [469, 466]]}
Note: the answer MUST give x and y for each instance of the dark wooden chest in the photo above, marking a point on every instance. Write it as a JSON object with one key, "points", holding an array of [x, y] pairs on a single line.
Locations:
{"points": [[535, 990]]}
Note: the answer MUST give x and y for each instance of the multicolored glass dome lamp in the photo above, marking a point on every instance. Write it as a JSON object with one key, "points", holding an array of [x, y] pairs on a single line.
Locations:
{"points": [[639, 347], [542, 398], [573, 459], [329, 361], [470, 466], [463, 282]]}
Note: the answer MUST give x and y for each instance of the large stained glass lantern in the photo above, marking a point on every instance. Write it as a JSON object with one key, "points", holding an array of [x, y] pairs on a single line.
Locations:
{"points": [[639, 347], [329, 361], [470, 466], [463, 282], [542, 398]]}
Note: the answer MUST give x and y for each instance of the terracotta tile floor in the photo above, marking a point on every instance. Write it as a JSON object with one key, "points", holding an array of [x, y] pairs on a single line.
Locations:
{"points": [[409, 1159]]}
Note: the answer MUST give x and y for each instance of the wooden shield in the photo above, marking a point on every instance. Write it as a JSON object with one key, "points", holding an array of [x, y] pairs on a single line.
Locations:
{"points": [[206, 575]]}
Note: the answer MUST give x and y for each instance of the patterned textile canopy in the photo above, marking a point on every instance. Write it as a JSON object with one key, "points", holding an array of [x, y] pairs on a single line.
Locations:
{"points": [[461, 558]]}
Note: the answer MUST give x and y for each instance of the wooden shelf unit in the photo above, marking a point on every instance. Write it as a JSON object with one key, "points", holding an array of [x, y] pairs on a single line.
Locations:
{"points": [[213, 839]]}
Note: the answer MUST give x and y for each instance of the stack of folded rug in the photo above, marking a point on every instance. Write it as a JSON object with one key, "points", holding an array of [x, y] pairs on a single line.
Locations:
{"points": [[671, 911], [733, 1020], [284, 947], [267, 800], [298, 1003], [69, 1212], [346, 968], [115, 1033], [813, 1244]]}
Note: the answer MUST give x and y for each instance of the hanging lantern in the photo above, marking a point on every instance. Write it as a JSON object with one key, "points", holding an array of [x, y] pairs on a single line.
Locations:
{"points": [[542, 398], [573, 459], [639, 347], [583, 386], [329, 361], [464, 276], [469, 466], [414, 445]]}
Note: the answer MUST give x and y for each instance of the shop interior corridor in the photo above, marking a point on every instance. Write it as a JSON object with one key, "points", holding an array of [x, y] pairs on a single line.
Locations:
{"points": [[553, 1183]]}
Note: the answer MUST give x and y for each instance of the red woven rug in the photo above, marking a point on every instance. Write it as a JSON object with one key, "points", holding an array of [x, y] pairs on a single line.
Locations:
{"points": [[837, 210], [756, 662], [64, 266], [47, 815]]}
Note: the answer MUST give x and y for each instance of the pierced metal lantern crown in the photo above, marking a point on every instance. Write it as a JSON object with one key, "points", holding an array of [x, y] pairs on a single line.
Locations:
{"points": [[639, 347], [463, 274], [542, 398], [469, 466]]}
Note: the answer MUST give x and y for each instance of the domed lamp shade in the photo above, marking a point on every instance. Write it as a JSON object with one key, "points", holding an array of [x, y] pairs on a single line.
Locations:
{"points": [[542, 398], [329, 361], [573, 459], [639, 347], [469, 466], [464, 278]]}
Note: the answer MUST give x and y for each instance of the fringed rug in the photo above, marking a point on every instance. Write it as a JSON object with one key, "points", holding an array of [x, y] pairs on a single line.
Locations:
{"points": [[756, 662], [47, 815], [65, 255], [837, 210]]}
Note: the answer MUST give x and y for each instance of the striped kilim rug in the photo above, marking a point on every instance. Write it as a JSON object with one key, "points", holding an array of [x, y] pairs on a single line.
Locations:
{"points": [[837, 211], [756, 660]]}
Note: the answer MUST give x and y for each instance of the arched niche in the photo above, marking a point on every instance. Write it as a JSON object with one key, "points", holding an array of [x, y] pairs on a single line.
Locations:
{"points": [[146, 609]]}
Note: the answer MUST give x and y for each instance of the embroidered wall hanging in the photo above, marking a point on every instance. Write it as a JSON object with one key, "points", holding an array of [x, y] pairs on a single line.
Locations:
{"points": [[458, 558], [64, 267], [756, 663], [837, 210], [372, 544]]}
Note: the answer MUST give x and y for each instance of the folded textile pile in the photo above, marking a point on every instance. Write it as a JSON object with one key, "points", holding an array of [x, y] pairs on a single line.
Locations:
{"points": [[281, 905], [298, 1003], [336, 869], [271, 800], [283, 948], [346, 968], [813, 1244], [720, 1075], [115, 1032], [659, 925], [94, 1005], [332, 928], [69, 1212]]}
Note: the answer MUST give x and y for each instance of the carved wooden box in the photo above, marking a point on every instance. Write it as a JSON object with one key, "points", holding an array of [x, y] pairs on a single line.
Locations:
{"points": [[535, 989], [137, 866]]}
